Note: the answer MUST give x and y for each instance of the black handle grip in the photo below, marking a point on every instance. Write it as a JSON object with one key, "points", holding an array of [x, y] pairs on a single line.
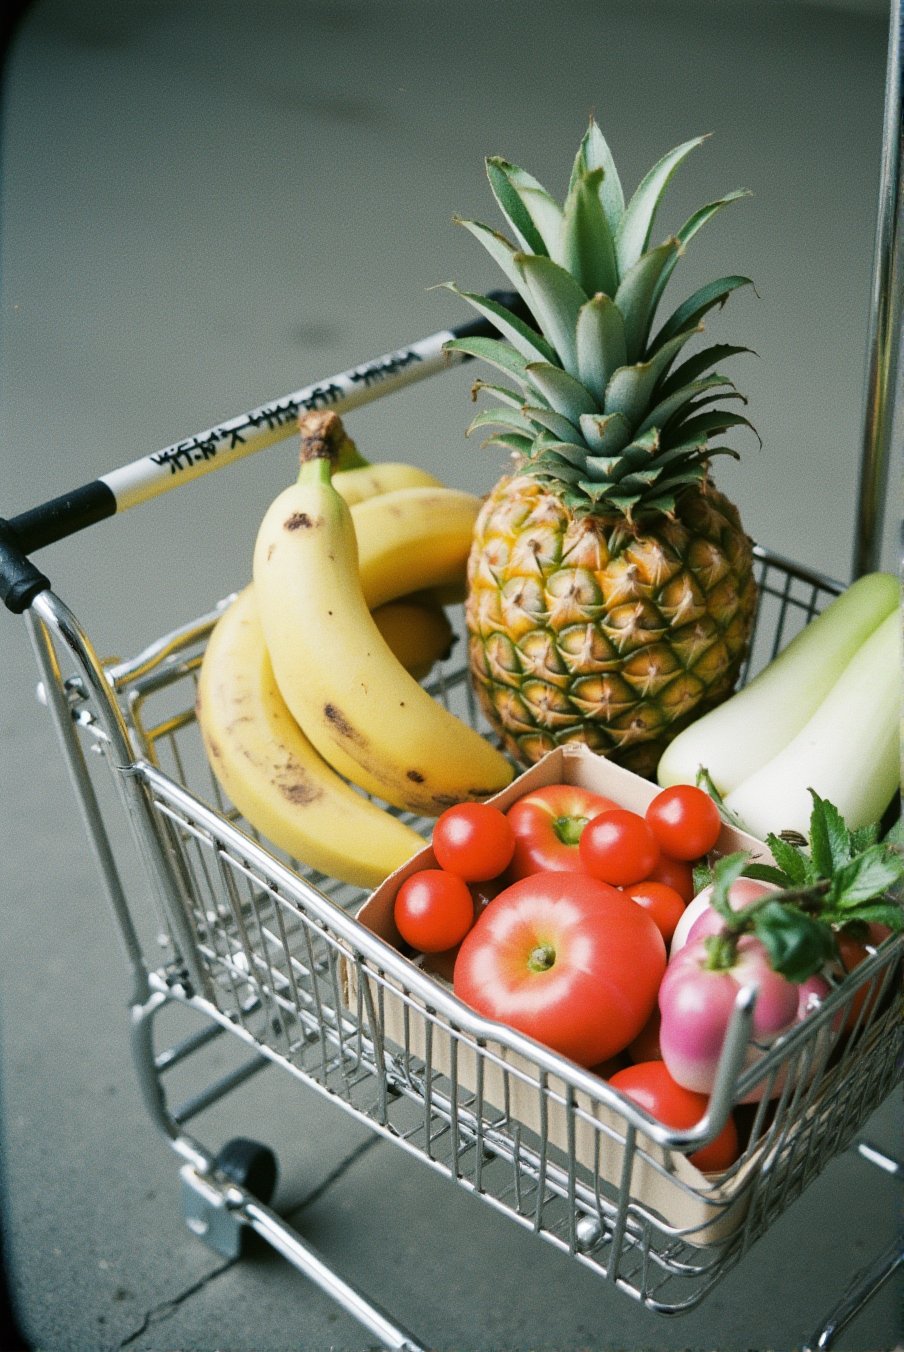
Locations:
{"points": [[20, 580]]}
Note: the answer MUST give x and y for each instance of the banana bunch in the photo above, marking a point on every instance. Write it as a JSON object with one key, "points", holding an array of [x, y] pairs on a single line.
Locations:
{"points": [[309, 685]]}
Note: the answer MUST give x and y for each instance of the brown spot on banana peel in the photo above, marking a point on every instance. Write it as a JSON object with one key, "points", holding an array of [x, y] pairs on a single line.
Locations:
{"points": [[301, 521], [340, 724], [416, 776], [300, 791]]}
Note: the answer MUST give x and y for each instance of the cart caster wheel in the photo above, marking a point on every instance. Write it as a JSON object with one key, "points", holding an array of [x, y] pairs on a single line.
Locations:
{"points": [[207, 1209], [250, 1165]]}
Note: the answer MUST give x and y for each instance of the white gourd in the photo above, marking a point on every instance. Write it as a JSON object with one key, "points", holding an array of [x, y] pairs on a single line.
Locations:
{"points": [[849, 751], [752, 726]]}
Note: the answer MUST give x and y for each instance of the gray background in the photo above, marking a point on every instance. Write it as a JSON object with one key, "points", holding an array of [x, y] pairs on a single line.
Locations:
{"points": [[206, 204]]}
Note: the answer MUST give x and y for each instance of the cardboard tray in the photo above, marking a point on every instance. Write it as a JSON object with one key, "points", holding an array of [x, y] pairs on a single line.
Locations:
{"points": [[705, 1209]]}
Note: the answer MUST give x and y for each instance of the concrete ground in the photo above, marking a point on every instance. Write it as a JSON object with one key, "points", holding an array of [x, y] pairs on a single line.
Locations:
{"points": [[205, 204]]}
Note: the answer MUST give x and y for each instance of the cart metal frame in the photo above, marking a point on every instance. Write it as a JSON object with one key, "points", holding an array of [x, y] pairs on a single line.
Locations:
{"points": [[258, 948]]}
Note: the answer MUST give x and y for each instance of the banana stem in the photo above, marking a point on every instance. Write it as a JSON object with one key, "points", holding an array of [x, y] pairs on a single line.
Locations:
{"points": [[323, 436]]}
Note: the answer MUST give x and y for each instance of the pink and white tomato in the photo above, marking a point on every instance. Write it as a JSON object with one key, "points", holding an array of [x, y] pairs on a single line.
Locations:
{"points": [[700, 918], [696, 1004]]}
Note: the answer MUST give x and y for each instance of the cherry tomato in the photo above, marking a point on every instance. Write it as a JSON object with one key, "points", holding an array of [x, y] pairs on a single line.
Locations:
{"points": [[685, 821], [651, 1086], [442, 964], [675, 873], [433, 910], [474, 840], [548, 823], [618, 847], [662, 903], [565, 959]]}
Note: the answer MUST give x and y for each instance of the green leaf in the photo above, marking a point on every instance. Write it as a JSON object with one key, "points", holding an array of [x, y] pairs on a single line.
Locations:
{"points": [[634, 230], [691, 311], [531, 345], [726, 871], [605, 433], [601, 467], [870, 913], [793, 862], [830, 840], [600, 343], [716, 420], [562, 391], [507, 396], [594, 153], [694, 367], [548, 465], [797, 945], [690, 228], [596, 492], [501, 250], [866, 877], [495, 351], [864, 836], [503, 180], [585, 246], [556, 423], [570, 451], [499, 417], [637, 293], [660, 414], [767, 873], [556, 299], [510, 441]]}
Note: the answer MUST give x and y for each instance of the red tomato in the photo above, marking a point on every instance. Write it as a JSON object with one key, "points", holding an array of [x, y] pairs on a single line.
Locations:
{"points": [[443, 964], [433, 910], [548, 823], [565, 959], [853, 950], [685, 821], [675, 873], [474, 840], [651, 1086], [618, 847], [662, 903]]}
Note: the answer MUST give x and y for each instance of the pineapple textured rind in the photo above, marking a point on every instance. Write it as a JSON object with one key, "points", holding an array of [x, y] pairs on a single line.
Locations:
{"points": [[572, 639]]}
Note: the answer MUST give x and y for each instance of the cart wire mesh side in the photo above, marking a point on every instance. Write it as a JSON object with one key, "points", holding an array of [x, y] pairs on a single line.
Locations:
{"points": [[260, 948]]}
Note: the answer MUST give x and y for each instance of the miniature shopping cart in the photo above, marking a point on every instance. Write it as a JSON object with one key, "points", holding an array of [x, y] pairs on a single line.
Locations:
{"points": [[262, 950], [252, 946]]}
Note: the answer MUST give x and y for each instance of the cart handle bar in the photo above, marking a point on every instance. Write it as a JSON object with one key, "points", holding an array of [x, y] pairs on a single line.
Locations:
{"points": [[152, 475]]}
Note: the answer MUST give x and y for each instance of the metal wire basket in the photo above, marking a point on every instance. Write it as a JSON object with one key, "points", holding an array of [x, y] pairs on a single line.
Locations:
{"points": [[271, 954]]}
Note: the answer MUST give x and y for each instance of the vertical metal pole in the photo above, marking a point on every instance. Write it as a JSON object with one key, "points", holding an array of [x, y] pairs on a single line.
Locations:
{"points": [[884, 340]]}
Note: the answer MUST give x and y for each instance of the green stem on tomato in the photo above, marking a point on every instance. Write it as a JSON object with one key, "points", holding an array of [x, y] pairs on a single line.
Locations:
{"points": [[721, 951], [541, 958], [568, 829]]}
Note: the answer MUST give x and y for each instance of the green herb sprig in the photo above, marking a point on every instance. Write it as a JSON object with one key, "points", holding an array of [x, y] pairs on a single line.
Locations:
{"points": [[840, 878]]}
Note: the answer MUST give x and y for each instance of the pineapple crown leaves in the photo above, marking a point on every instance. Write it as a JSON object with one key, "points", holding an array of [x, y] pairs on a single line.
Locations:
{"points": [[589, 370]]}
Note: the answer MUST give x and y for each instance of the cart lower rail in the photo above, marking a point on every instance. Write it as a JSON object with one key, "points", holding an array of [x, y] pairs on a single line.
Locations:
{"points": [[268, 953]]}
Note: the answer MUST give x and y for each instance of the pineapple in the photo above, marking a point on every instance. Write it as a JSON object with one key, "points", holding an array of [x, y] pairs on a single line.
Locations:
{"points": [[610, 584]]}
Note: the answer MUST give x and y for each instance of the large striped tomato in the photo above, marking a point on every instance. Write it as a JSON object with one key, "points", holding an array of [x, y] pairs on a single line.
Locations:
{"points": [[548, 823], [566, 959]]}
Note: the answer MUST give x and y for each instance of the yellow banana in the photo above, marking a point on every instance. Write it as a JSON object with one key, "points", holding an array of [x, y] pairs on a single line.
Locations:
{"points": [[358, 705], [273, 774], [412, 539], [418, 632], [367, 481]]}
